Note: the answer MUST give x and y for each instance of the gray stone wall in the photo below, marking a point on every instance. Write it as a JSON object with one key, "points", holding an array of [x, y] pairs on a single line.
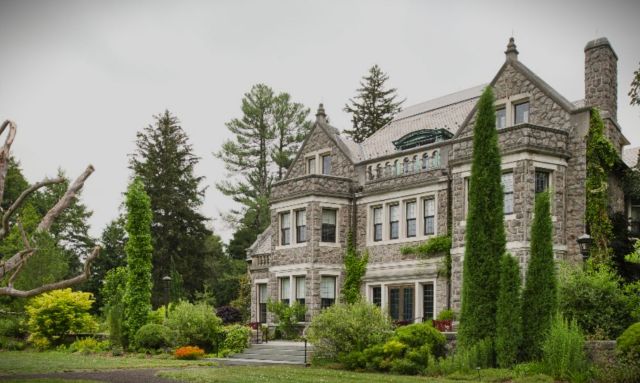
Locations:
{"points": [[309, 184], [601, 76]]}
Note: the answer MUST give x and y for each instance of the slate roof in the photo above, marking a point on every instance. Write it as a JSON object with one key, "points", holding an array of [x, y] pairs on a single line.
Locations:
{"points": [[262, 244], [630, 156], [446, 112]]}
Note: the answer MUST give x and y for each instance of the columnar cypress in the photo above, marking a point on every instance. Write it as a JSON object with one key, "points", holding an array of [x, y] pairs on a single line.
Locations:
{"points": [[485, 236], [539, 297], [508, 319], [137, 296]]}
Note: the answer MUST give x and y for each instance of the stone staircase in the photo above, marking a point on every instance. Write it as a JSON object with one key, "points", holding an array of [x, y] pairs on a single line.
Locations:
{"points": [[274, 352]]}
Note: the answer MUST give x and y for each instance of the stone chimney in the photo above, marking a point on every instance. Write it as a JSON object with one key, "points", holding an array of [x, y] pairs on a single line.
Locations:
{"points": [[601, 77], [321, 116], [512, 51]]}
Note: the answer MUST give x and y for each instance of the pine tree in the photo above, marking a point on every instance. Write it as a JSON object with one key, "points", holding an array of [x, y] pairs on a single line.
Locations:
{"points": [[291, 127], [539, 296], [508, 315], [485, 237], [164, 162], [634, 91], [373, 107], [137, 296]]}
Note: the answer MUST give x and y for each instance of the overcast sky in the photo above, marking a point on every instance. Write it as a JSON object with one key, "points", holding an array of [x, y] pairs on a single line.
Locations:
{"points": [[80, 78]]}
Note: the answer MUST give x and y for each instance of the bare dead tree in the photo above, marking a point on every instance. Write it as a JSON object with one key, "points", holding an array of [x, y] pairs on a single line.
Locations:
{"points": [[12, 266]]}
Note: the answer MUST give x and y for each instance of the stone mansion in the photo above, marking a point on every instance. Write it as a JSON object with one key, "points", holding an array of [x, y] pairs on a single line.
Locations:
{"points": [[408, 182]]}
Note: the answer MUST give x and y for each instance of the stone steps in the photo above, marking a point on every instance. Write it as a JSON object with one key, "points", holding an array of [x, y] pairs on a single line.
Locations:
{"points": [[274, 352]]}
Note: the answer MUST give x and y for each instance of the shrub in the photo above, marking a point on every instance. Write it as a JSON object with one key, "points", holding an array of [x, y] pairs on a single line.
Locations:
{"points": [[229, 314], [11, 344], [422, 335], [465, 359], [194, 324], [10, 327], [629, 342], [153, 337], [112, 293], [236, 338], [57, 313], [344, 328], [189, 353], [288, 316], [563, 355], [582, 295], [446, 315], [88, 346]]}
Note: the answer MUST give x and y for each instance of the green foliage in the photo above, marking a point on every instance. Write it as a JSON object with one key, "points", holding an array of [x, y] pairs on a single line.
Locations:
{"points": [[485, 237], [153, 337], [601, 158], [596, 301], [243, 301], [164, 162], [344, 328], [563, 355], [634, 91], [626, 258], [355, 266], [433, 246], [58, 313], [539, 298], [629, 342], [373, 107], [508, 315], [236, 338], [137, 296], [224, 272], [465, 359], [446, 315], [194, 324], [11, 344], [88, 346], [287, 316], [112, 292]]}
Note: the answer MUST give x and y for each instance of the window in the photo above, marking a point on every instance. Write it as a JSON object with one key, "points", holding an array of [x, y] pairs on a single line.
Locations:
{"points": [[262, 303], [425, 161], [285, 289], [501, 118], [376, 295], [301, 226], [327, 291], [328, 225], [300, 289], [521, 113], [405, 166], [435, 160], [396, 167], [542, 181], [429, 216], [394, 221], [378, 171], [507, 186], [377, 224], [326, 164], [285, 228], [411, 219], [466, 196], [427, 302], [401, 303], [311, 165]]}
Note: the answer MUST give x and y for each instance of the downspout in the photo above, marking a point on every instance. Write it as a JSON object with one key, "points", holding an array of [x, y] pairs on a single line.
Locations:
{"points": [[449, 232]]}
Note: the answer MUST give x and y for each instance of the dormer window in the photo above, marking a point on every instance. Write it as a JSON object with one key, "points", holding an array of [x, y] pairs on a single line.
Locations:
{"points": [[501, 118], [521, 113], [422, 137]]}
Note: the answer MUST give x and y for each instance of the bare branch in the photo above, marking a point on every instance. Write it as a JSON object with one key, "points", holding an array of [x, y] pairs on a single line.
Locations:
{"points": [[14, 275], [26, 242], [15, 261], [65, 201], [10, 291], [4, 152], [4, 230]]}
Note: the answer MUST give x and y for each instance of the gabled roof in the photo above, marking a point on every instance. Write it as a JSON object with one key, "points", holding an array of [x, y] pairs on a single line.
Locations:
{"points": [[262, 244]]}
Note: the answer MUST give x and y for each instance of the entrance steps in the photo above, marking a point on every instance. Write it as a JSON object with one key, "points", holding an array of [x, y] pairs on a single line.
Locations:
{"points": [[274, 352]]}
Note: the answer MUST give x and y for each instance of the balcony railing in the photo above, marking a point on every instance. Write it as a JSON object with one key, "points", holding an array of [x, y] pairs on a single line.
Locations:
{"points": [[403, 167], [259, 261]]}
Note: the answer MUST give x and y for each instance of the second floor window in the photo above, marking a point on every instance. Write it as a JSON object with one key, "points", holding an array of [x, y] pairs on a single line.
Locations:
{"points": [[394, 221], [542, 181], [429, 216], [501, 118], [328, 225], [301, 226], [285, 284], [411, 219], [300, 289], [521, 113], [285, 228], [326, 164], [311, 165], [377, 224], [507, 186]]}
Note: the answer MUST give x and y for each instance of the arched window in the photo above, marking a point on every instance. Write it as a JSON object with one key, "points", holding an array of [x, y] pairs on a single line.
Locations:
{"points": [[405, 166], [436, 159], [369, 173], [425, 161], [396, 167], [416, 164], [378, 171], [387, 169]]}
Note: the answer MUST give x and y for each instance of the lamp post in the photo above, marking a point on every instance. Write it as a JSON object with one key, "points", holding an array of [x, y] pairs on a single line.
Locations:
{"points": [[167, 281], [584, 241]]}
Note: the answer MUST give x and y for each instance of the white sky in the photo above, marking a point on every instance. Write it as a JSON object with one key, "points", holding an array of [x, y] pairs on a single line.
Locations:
{"points": [[80, 78]]}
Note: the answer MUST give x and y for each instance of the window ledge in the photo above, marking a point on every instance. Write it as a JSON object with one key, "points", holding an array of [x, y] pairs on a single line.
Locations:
{"points": [[292, 246], [329, 244], [419, 238]]}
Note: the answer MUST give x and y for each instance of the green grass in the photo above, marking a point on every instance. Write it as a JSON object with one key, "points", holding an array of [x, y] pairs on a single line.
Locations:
{"points": [[49, 381], [23, 362], [267, 374]]}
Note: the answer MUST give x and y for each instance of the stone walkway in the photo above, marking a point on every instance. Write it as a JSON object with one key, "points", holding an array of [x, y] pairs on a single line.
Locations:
{"points": [[115, 376]]}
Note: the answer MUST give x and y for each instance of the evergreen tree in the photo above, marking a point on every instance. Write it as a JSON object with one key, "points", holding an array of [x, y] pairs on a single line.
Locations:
{"points": [[291, 127], [373, 107], [508, 315], [223, 272], [634, 91], [485, 237], [539, 296], [139, 249], [164, 162]]}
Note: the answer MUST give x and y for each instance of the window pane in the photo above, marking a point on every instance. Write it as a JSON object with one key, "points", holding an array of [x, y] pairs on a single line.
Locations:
{"points": [[522, 113], [328, 287], [508, 203], [407, 304], [329, 216], [411, 210], [377, 232], [300, 287], [427, 302], [311, 166], [377, 296], [501, 118], [326, 164], [507, 185], [301, 218], [394, 213], [284, 288], [393, 230], [262, 293], [284, 220], [394, 303], [429, 207], [411, 227], [377, 215], [542, 181]]}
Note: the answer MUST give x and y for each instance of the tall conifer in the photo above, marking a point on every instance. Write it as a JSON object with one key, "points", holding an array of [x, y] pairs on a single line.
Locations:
{"points": [[539, 296], [508, 316], [485, 237]]}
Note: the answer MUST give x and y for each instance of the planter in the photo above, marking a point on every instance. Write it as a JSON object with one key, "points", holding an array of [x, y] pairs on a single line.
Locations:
{"points": [[443, 325]]}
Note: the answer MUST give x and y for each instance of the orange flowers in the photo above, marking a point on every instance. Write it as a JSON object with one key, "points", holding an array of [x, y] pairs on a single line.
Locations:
{"points": [[189, 353]]}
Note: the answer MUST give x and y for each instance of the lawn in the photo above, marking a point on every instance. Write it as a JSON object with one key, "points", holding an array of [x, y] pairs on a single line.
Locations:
{"points": [[48, 381], [27, 362], [267, 374]]}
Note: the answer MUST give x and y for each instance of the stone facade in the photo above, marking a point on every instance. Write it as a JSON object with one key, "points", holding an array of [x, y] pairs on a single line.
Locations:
{"points": [[404, 196]]}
